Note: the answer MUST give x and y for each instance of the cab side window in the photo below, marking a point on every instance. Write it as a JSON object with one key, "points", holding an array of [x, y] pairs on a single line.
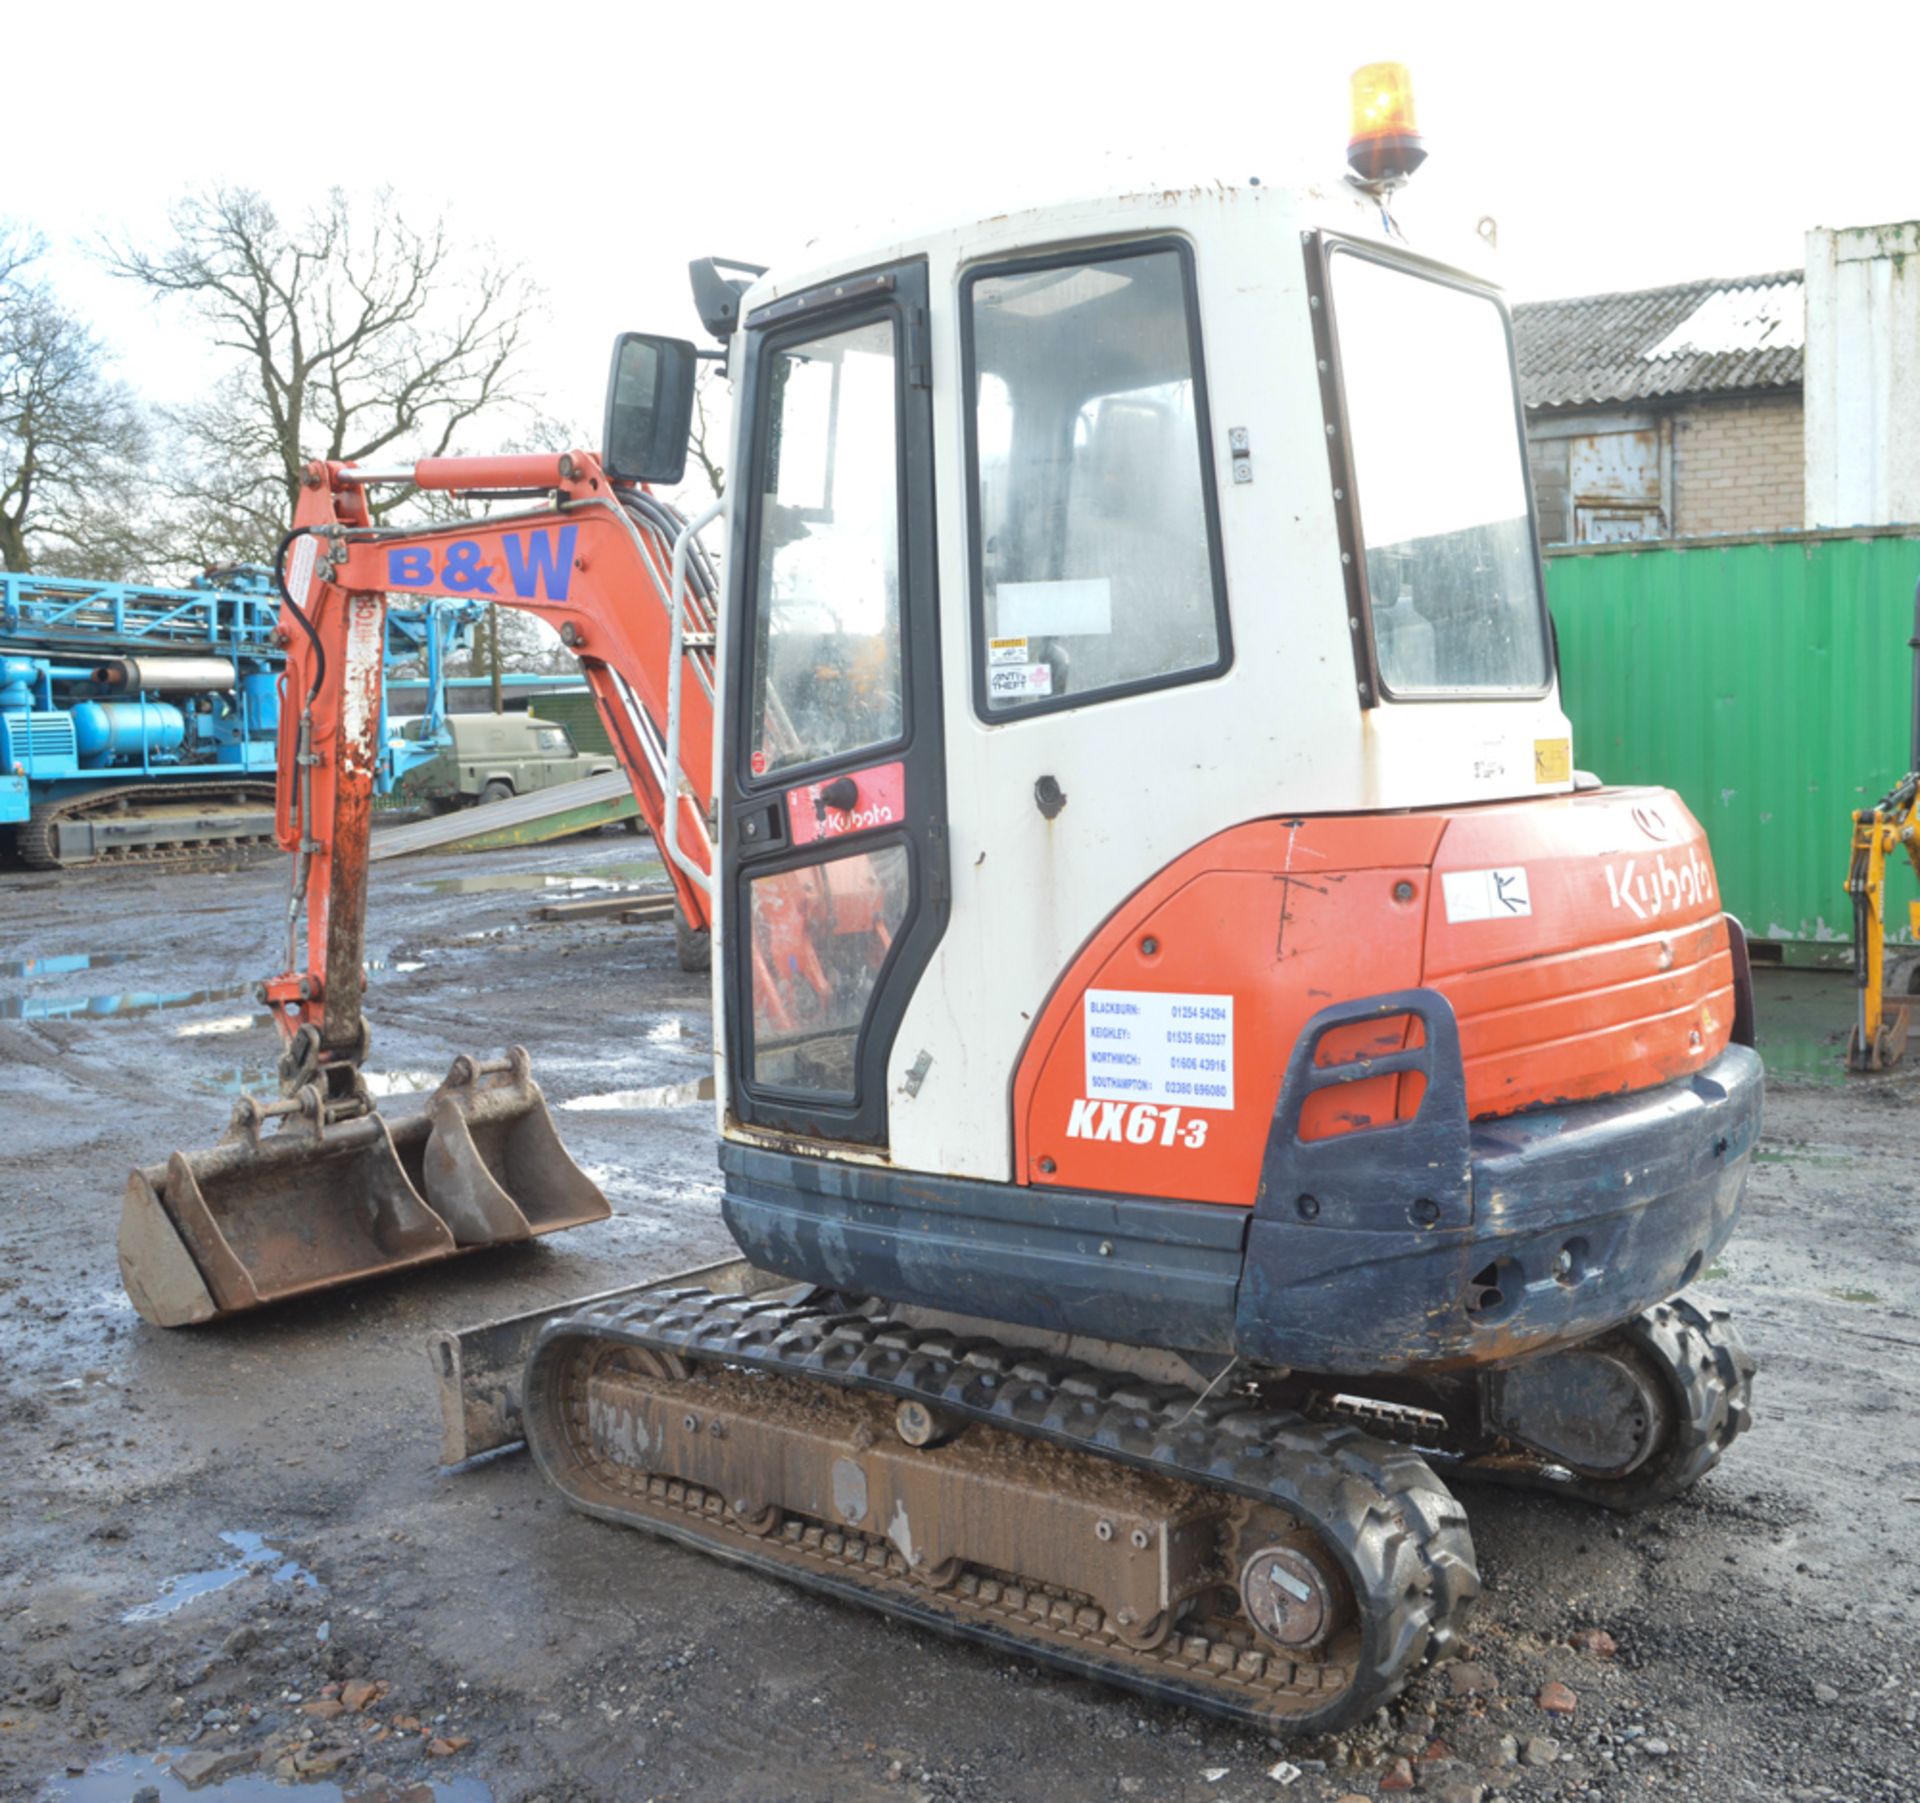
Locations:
{"points": [[1096, 562]]}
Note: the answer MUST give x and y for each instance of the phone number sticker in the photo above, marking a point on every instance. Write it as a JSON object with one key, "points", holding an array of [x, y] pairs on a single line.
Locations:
{"points": [[1147, 1046]]}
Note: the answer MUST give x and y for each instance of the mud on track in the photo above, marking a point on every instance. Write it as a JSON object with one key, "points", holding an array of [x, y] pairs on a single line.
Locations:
{"points": [[1765, 1626]]}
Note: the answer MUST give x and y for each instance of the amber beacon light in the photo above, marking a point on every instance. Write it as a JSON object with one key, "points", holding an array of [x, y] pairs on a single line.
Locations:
{"points": [[1385, 146]]}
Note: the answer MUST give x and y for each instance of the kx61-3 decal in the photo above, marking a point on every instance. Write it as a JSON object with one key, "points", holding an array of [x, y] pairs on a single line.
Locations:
{"points": [[1136, 1124]]}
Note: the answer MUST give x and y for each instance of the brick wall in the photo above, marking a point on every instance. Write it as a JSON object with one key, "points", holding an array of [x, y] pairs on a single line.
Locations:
{"points": [[1739, 465]]}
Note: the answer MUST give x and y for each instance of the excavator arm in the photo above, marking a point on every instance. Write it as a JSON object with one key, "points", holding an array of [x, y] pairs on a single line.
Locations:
{"points": [[594, 559], [337, 1193]]}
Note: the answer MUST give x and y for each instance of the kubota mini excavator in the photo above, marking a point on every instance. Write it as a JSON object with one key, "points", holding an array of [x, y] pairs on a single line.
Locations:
{"points": [[1196, 1051]]}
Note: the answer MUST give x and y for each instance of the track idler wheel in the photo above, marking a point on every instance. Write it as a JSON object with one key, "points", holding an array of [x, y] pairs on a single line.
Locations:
{"points": [[1639, 1415]]}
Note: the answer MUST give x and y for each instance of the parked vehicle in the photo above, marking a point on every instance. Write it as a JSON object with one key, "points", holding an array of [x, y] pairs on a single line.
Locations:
{"points": [[489, 757]]}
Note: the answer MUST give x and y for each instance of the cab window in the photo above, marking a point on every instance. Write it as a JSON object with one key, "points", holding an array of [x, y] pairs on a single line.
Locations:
{"points": [[554, 741], [1096, 564], [1440, 483], [827, 658]]}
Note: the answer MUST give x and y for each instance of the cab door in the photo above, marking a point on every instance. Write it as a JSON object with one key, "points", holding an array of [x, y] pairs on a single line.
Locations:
{"points": [[833, 796]]}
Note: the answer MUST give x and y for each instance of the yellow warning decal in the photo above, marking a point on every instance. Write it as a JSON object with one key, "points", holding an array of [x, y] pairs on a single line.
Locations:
{"points": [[1552, 760]]}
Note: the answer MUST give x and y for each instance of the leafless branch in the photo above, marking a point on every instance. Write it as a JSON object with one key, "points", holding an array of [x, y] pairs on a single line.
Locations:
{"points": [[352, 334]]}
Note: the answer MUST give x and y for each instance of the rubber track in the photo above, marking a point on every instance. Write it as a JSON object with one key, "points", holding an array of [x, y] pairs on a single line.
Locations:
{"points": [[34, 840], [1400, 1535]]}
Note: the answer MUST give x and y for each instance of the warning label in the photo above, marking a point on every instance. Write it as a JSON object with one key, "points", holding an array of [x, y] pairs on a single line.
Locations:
{"points": [[1486, 894]]}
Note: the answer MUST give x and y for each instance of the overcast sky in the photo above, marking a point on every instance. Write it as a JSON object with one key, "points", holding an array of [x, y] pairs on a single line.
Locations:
{"points": [[1619, 147]]}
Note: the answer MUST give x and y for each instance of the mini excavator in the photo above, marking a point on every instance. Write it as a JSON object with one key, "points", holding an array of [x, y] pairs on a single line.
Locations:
{"points": [[1195, 1060]]}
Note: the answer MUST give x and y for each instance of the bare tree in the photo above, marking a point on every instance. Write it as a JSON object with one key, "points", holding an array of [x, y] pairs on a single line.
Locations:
{"points": [[71, 437], [352, 336], [708, 438]]}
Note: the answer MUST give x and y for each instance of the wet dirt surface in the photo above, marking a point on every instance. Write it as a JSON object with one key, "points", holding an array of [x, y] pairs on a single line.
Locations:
{"points": [[378, 1625]]}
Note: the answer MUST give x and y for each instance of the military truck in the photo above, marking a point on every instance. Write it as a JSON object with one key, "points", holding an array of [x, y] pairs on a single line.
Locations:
{"points": [[492, 756]]}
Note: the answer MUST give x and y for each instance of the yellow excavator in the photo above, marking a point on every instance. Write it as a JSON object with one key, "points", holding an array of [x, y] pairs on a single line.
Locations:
{"points": [[1878, 1039], [1879, 1035]]}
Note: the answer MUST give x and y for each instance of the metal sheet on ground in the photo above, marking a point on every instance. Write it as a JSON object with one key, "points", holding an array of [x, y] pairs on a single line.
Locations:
{"points": [[524, 820]]}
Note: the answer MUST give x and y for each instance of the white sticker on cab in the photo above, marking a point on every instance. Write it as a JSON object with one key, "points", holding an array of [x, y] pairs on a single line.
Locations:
{"points": [[1148, 1046], [1019, 682], [1486, 894], [1074, 606], [999, 651]]}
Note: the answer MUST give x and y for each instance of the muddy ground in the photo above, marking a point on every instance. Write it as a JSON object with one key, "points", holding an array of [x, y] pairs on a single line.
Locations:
{"points": [[1765, 1626]]}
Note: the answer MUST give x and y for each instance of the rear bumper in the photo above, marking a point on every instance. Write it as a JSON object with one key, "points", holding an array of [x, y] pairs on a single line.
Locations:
{"points": [[1579, 1218], [1437, 1246]]}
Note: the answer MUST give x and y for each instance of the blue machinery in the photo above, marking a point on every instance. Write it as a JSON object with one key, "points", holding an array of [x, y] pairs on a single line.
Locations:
{"points": [[141, 722]]}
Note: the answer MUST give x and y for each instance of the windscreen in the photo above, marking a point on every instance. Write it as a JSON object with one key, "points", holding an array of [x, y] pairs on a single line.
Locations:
{"points": [[1440, 480]]}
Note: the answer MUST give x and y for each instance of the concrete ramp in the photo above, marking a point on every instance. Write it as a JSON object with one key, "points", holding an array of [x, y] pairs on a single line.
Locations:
{"points": [[557, 813]]}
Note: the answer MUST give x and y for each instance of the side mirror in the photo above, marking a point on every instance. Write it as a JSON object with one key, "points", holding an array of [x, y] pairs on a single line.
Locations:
{"points": [[649, 408]]}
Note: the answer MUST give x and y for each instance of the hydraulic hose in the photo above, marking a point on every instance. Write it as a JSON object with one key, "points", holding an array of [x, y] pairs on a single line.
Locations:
{"points": [[303, 750], [299, 613]]}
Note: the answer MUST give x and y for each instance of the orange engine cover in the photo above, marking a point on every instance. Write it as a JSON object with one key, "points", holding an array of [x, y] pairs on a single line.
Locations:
{"points": [[1578, 938]]}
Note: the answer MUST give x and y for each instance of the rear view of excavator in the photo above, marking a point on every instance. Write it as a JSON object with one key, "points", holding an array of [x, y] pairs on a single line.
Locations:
{"points": [[1195, 1061]]}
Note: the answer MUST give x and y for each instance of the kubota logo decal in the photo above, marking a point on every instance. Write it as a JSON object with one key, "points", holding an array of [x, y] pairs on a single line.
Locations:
{"points": [[1648, 888], [1135, 1124]]}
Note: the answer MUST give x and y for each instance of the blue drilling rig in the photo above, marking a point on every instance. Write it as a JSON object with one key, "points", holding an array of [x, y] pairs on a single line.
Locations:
{"points": [[138, 725]]}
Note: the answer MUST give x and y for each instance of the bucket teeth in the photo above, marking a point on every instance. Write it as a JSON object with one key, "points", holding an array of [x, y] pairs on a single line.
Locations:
{"points": [[260, 1216]]}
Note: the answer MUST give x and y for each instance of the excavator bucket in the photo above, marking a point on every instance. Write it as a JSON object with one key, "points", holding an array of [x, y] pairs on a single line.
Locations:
{"points": [[263, 1216]]}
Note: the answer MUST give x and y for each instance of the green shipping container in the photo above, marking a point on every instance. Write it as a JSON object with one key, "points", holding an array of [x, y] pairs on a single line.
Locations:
{"points": [[1768, 681], [575, 710]]}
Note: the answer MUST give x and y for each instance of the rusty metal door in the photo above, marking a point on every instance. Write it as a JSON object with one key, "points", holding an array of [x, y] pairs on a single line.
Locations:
{"points": [[1617, 483]]}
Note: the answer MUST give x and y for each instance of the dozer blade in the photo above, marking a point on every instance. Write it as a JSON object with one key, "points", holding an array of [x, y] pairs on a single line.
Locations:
{"points": [[261, 1217]]}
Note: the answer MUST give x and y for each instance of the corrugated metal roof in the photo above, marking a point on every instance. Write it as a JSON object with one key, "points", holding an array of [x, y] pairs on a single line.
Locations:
{"points": [[1745, 332]]}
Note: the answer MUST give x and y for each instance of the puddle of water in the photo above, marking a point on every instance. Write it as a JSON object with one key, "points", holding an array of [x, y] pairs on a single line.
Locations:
{"points": [[62, 966], [255, 1556], [661, 1095], [30, 1007], [667, 1030], [235, 1080], [1802, 1017], [621, 874], [254, 1079], [227, 1023], [115, 1780]]}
